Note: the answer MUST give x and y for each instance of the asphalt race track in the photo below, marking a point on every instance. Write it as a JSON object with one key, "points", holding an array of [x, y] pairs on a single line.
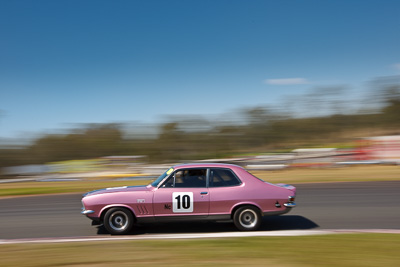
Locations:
{"points": [[366, 205]]}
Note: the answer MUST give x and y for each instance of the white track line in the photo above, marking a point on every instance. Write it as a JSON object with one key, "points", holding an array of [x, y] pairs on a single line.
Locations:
{"points": [[192, 236]]}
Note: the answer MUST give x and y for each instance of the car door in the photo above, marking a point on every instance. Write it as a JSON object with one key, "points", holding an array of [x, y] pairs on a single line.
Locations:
{"points": [[225, 189], [183, 194]]}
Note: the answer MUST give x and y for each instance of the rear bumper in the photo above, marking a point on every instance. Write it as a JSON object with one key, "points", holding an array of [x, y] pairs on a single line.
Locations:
{"points": [[290, 205], [280, 212]]}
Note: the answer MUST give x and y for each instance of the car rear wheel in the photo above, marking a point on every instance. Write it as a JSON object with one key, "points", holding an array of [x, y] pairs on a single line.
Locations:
{"points": [[118, 221], [247, 218]]}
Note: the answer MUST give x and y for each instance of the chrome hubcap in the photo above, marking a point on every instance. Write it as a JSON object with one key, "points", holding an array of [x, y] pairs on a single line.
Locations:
{"points": [[118, 221], [248, 218]]}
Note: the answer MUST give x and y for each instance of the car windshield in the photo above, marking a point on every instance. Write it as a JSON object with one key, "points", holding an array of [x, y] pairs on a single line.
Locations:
{"points": [[161, 177]]}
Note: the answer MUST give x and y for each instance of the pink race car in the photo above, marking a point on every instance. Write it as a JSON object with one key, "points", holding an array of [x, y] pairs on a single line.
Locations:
{"points": [[190, 192]]}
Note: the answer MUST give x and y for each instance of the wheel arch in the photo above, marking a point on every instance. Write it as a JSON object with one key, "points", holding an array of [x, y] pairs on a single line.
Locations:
{"points": [[242, 204], [106, 208]]}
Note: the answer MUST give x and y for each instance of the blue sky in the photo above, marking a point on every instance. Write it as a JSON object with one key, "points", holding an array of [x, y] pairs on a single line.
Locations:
{"points": [[68, 62]]}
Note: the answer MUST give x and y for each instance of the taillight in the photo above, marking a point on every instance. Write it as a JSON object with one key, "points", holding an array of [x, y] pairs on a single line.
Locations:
{"points": [[291, 198]]}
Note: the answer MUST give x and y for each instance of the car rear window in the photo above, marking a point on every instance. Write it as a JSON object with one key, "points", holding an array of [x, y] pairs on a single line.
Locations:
{"points": [[223, 177]]}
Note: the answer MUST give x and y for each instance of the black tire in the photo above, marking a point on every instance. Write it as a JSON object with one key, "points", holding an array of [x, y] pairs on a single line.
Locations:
{"points": [[247, 218], [118, 221]]}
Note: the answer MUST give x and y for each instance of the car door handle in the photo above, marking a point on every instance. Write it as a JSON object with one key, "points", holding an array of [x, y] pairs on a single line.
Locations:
{"points": [[204, 193]]}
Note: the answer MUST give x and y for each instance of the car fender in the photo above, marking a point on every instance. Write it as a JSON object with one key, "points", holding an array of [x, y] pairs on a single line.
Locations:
{"points": [[244, 204], [101, 214]]}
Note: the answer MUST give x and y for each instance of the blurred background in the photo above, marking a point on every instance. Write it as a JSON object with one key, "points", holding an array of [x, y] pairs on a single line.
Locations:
{"points": [[97, 94], [129, 86]]}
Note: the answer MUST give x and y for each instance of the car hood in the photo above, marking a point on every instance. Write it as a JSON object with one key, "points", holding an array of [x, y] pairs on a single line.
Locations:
{"points": [[118, 189]]}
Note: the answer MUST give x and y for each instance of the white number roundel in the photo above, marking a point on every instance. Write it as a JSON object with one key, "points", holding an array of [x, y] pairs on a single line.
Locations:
{"points": [[182, 202]]}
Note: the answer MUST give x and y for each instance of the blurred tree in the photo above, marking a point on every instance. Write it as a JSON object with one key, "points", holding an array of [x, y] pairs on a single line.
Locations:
{"points": [[256, 129], [391, 111], [91, 142]]}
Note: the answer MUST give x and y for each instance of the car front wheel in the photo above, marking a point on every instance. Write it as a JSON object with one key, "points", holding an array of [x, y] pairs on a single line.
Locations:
{"points": [[118, 221], [247, 218]]}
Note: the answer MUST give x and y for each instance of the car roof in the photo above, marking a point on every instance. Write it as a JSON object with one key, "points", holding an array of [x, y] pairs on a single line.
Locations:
{"points": [[206, 165]]}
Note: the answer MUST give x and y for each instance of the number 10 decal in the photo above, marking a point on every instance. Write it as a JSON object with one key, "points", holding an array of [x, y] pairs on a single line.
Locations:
{"points": [[182, 202]]}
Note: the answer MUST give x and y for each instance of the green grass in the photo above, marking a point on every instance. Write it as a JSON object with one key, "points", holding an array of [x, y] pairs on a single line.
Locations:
{"points": [[39, 188], [325, 250], [289, 176], [323, 175]]}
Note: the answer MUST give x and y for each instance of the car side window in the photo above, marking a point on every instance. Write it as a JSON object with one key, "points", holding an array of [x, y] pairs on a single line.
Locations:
{"points": [[187, 178], [223, 177]]}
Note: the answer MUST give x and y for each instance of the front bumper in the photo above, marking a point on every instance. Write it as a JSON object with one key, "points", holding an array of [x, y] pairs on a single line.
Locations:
{"points": [[95, 220], [86, 212]]}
